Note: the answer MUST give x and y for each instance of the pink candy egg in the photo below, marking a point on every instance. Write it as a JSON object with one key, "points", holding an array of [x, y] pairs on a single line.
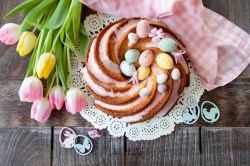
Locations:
{"points": [[146, 58], [143, 29]]}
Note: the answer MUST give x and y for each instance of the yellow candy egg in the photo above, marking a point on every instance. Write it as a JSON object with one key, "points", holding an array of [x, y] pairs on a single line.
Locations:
{"points": [[143, 73], [165, 61]]}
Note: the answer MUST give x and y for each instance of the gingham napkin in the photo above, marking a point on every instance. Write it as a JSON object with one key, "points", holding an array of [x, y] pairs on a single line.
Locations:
{"points": [[218, 49]]}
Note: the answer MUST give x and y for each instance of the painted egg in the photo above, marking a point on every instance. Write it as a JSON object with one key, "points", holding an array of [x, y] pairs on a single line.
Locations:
{"points": [[165, 61], [162, 78], [143, 29], [127, 68], [132, 55], [132, 38], [167, 45], [176, 74], [144, 92], [146, 58], [162, 88], [143, 73]]}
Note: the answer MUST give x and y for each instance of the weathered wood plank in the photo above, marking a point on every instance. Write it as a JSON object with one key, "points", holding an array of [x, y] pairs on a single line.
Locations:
{"points": [[225, 146], [179, 148], [107, 150], [25, 146]]}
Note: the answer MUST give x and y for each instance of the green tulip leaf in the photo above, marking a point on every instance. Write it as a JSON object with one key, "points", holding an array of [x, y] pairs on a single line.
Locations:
{"points": [[59, 15], [63, 75], [36, 13], [23, 7], [84, 42]]}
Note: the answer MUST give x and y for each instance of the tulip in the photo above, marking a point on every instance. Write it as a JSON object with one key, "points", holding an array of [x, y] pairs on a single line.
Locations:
{"points": [[26, 43], [41, 110], [31, 89], [75, 101], [45, 65], [56, 97], [9, 33]]}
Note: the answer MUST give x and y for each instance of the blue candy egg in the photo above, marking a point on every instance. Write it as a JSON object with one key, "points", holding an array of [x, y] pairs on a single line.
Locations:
{"points": [[167, 45], [132, 55], [127, 69]]}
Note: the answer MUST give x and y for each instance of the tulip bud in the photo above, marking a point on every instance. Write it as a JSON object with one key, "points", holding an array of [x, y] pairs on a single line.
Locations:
{"points": [[41, 110], [75, 101], [26, 43], [31, 89], [45, 65], [56, 97], [9, 33]]}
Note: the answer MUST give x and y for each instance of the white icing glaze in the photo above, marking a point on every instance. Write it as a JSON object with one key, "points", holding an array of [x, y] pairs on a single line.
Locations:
{"points": [[126, 106], [103, 52], [173, 98], [97, 72], [99, 90]]}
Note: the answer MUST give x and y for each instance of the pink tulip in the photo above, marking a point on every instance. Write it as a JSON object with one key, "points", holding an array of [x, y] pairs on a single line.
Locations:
{"points": [[31, 89], [75, 101], [41, 110], [9, 33], [56, 97]]}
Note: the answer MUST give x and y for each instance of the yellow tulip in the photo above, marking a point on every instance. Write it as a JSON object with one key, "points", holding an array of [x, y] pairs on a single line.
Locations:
{"points": [[26, 43], [45, 65]]}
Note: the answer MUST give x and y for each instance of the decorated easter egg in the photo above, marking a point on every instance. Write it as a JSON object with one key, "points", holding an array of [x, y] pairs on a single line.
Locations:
{"points": [[132, 38], [165, 61], [143, 29], [162, 78], [127, 68], [146, 58], [176, 74], [143, 73], [144, 92], [167, 45], [162, 88], [132, 55]]}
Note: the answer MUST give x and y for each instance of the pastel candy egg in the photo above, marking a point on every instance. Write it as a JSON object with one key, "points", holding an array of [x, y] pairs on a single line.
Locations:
{"points": [[165, 61], [176, 74], [132, 55], [146, 58], [143, 29], [143, 73], [167, 45], [127, 68], [162, 78], [132, 38], [162, 88], [144, 92]]}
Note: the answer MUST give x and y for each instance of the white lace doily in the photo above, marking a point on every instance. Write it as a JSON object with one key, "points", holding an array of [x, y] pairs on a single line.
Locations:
{"points": [[148, 130]]}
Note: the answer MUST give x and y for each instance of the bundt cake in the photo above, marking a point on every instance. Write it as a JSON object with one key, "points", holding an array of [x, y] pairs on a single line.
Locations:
{"points": [[136, 69]]}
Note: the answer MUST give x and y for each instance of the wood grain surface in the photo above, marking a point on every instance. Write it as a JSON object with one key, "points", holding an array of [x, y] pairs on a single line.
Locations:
{"points": [[24, 146], [180, 148], [225, 146], [203, 144]]}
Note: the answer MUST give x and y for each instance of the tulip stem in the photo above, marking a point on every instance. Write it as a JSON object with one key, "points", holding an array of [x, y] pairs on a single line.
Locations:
{"points": [[51, 84], [56, 38], [69, 67], [57, 76]]}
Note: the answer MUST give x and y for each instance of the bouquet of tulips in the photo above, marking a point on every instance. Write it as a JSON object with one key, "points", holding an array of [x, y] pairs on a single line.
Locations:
{"points": [[49, 32]]}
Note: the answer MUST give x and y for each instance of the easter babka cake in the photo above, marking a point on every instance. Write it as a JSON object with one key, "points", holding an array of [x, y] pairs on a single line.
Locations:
{"points": [[136, 69]]}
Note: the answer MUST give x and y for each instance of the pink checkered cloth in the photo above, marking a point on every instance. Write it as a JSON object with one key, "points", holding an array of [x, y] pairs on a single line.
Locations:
{"points": [[218, 49]]}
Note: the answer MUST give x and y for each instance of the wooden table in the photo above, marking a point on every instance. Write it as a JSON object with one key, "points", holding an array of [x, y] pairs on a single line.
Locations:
{"points": [[26, 142]]}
